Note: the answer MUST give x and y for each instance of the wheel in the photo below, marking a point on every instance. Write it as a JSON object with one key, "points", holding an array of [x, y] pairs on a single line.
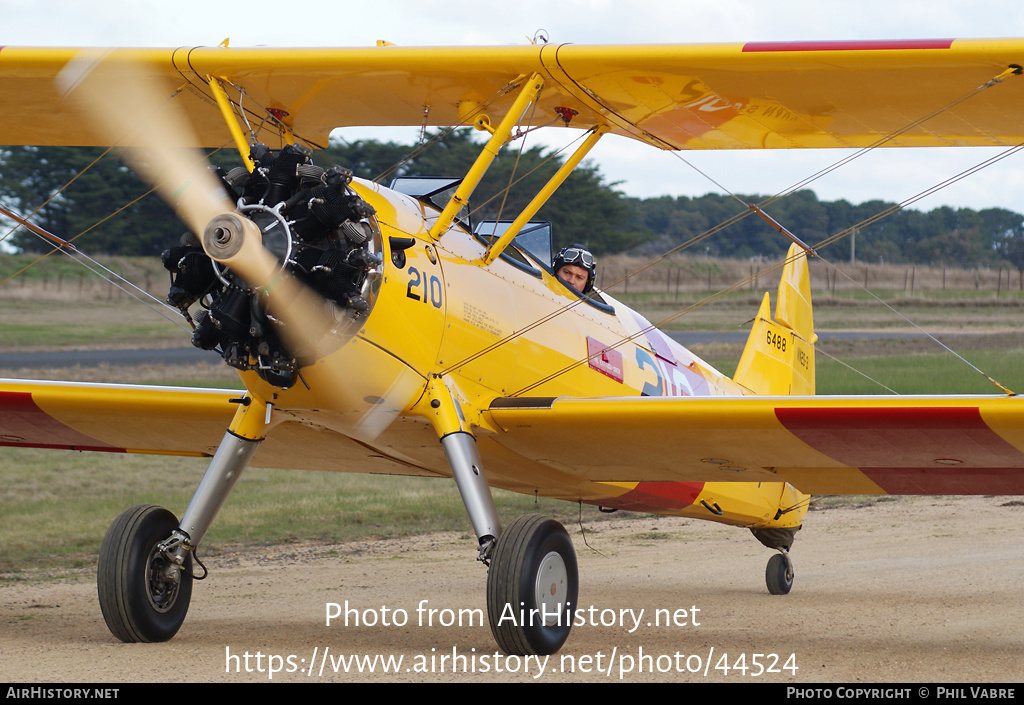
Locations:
{"points": [[532, 584], [139, 597], [778, 576]]}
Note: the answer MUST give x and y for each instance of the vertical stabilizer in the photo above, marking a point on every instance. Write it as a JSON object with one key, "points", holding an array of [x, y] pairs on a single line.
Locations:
{"points": [[779, 356]]}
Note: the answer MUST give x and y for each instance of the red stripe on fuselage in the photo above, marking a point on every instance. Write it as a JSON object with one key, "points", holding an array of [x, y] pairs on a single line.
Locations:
{"points": [[850, 45], [656, 497]]}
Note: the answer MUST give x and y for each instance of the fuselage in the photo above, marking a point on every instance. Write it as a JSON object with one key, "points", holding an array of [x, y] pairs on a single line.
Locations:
{"points": [[508, 329]]}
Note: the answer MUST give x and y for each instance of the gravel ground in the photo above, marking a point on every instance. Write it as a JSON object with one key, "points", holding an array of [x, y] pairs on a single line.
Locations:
{"points": [[915, 590]]}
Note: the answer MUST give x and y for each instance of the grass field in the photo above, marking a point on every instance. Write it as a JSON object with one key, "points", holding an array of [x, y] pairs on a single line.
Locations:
{"points": [[915, 373], [55, 506]]}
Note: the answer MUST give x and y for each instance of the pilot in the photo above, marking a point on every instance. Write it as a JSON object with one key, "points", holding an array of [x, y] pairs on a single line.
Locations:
{"points": [[575, 266]]}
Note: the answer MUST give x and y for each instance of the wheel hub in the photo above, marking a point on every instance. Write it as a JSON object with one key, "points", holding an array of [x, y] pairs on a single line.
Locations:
{"points": [[551, 588], [161, 579]]}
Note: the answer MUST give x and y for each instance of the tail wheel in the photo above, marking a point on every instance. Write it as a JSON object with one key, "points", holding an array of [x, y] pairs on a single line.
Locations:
{"points": [[532, 585], [143, 596], [779, 575]]}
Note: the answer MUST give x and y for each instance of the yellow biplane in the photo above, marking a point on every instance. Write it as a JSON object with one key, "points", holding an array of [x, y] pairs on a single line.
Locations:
{"points": [[376, 331]]}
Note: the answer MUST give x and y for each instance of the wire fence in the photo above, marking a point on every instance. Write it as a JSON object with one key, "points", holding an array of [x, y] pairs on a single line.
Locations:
{"points": [[674, 278], [687, 276]]}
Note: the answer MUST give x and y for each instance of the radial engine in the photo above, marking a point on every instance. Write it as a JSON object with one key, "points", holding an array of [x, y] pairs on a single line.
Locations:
{"points": [[319, 228]]}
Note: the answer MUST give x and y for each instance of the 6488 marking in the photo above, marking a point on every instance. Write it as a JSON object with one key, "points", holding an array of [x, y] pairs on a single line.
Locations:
{"points": [[776, 340]]}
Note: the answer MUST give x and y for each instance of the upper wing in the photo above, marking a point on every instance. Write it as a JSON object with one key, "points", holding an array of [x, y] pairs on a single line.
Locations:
{"points": [[746, 96], [820, 445]]}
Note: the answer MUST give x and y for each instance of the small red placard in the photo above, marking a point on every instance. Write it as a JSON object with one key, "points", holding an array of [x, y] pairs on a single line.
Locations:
{"points": [[607, 362]]}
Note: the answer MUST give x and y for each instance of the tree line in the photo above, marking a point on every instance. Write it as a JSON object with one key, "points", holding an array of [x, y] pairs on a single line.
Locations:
{"points": [[587, 209], [960, 237]]}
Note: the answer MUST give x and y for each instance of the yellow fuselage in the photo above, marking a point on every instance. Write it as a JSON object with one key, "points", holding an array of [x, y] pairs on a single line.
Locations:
{"points": [[507, 329]]}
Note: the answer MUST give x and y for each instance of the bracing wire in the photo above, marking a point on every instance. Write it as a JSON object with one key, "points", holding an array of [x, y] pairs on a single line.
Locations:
{"points": [[103, 272], [770, 270], [79, 256], [1012, 70]]}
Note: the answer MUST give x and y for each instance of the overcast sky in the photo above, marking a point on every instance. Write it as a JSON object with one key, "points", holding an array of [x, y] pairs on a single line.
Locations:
{"points": [[888, 174]]}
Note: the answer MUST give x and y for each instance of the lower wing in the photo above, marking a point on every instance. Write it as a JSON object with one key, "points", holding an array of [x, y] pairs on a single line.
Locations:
{"points": [[820, 445]]}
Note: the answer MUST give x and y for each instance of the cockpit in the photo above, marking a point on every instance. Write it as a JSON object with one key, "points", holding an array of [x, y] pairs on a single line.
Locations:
{"points": [[530, 251]]}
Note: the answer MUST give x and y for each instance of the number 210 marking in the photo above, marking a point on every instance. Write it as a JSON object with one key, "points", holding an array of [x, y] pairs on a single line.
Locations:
{"points": [[430, 286]]}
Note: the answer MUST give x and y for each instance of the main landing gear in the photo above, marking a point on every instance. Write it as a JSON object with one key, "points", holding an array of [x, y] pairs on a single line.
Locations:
{"points": [[145, 567], [532, 578], [532, 585], [144, 576]]}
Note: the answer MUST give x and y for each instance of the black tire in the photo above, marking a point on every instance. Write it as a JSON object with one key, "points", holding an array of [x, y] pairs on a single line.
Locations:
{"points": [[137, 604], [531, 549], [777, 575]]}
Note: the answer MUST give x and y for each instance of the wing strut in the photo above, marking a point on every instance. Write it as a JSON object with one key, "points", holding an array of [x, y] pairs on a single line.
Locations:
{"points": [[499, 137], [544, 194], [217, 86]]}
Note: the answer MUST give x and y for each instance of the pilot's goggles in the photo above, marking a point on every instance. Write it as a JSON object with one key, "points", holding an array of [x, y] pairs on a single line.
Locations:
{"points": [[574, 255]]}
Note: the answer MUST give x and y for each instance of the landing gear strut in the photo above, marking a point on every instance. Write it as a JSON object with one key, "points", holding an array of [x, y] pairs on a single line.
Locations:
{"points": [[144, 577]]}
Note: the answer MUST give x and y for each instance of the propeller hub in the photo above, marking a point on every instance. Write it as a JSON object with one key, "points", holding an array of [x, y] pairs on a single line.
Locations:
{"points": [[224, 236]]}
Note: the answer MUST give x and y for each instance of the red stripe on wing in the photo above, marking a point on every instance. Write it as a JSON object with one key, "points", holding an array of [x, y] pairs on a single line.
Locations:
{"points": [[22, 423], [914, 450]]}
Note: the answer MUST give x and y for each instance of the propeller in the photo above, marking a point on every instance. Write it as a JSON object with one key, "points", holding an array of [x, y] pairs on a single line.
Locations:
{"points": [[129, 111]]}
